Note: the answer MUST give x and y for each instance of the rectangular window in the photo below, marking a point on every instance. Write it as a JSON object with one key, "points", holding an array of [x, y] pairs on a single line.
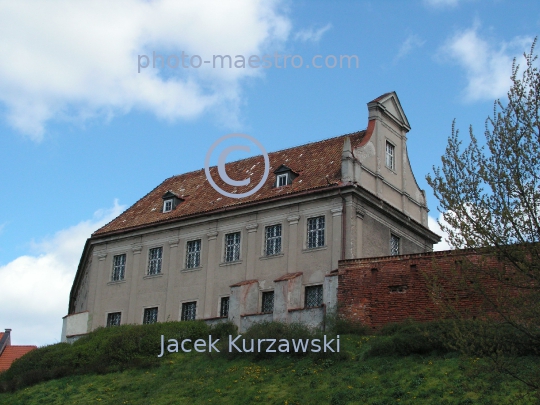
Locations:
{"points": [[282, 180], [394, 245], [272, 240], [390, 161], [150, 315], [224, 307], [154, 260], [232, 247], [119, 266], [113, 319], [315, 235], [267, 301], [314, 296], [193, 254], [167, 205], [189, 311]]}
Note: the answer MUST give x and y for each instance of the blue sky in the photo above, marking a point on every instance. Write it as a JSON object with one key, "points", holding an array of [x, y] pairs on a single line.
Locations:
{"points": [[83, 135]]}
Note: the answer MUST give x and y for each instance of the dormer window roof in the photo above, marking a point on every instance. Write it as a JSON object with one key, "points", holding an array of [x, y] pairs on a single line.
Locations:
{"points": [[284, 176], [170, 201]]}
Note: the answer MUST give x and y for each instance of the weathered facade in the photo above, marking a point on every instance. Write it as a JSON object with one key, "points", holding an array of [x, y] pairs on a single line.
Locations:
{"points": [[186, 252]]}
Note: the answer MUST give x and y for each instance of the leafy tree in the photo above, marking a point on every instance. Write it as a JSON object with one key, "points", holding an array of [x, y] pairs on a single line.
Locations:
{"points": [[489, 197]]}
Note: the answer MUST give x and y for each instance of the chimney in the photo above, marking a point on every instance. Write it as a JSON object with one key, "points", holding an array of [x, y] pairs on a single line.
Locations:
{"points": [[5, 341]]}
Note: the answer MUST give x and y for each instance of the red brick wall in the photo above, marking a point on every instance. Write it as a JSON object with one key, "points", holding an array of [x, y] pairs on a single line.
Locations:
{"points": [[391, 289]]}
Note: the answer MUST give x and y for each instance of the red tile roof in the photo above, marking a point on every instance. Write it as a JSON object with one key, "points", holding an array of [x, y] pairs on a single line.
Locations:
{"points": [[12, 353], [318, 165]]}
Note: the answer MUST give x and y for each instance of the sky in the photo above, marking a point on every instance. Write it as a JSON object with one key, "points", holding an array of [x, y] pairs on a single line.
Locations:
{"points": [[88, 125]]}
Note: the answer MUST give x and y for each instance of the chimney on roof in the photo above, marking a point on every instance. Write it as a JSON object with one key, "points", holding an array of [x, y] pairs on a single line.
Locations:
{"points": [[5, 341], [347, 162]]}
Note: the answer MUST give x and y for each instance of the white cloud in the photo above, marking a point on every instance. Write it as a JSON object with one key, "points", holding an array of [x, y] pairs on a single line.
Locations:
{"points": [[434, 227], [311, 34], [73, 60], [412, 41], [34, 289], [487, 66]]}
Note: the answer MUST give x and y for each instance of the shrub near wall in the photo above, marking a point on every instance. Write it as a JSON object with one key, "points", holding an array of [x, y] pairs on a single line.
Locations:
{"points": [[104, 350]]}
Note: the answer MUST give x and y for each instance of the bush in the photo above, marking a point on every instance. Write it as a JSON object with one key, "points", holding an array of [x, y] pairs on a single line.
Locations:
{"points": [[343, 326], [102, 351], [278, 330], [403, 339]]}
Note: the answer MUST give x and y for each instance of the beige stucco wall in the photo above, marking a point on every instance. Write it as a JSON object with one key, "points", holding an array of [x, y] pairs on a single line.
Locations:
{"points": [[359, 220]]}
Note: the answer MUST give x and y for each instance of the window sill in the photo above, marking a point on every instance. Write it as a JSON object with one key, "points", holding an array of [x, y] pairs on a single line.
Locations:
{"points": [[116, 282], [153, 276], [314, 249], [266, 257], [392, 170], [230, 263], [190, 269]]}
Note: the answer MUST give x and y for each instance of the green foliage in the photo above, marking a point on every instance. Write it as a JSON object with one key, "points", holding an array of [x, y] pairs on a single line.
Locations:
{"points": [[197, 378], [342, 326], [104, 350], [403, 339]]}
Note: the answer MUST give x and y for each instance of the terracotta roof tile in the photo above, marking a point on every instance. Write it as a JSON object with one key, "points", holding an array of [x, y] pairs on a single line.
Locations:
{"points": [[289, 276], [318, 165], [12, 353]]}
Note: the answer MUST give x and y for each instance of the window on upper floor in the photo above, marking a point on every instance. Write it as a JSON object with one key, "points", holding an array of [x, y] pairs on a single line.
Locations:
{"points": [[114, 318], [154, 260], [232, 247], [224, 307], [170, 201], [315, 232], [272, 240], [150, 315], [314, 296], [119, 267], [189, 311], [284, 176], [167, 205], [193, 254], [390, 156], [394, 245], [267, 301]]}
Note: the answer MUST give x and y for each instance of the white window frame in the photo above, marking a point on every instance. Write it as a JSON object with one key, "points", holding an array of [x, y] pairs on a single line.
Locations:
{"points": [[236, 254], [168, 205], [121, 268], [274, 238], [196, 253], [390, 155], [158, 260], [318, 229], [281, 176]]}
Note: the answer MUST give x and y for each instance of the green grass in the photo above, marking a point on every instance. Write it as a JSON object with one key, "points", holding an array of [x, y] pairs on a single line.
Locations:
{"points": [[349, 378]]}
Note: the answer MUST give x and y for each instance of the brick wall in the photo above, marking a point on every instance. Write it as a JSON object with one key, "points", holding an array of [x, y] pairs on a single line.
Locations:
{"points": [[391, 289]]}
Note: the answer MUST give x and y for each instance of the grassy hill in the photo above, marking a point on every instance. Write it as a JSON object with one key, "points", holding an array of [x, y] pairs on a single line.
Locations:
{"points": [[395, 368]]}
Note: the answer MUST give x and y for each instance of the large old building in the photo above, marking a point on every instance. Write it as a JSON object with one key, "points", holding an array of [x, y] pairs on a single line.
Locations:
{"points": [[184, 251]]}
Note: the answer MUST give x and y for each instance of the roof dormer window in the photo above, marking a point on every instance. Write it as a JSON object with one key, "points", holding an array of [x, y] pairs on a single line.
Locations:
{"points": [[284, 176], [282, 180], [170, 201], [168, 205]]}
